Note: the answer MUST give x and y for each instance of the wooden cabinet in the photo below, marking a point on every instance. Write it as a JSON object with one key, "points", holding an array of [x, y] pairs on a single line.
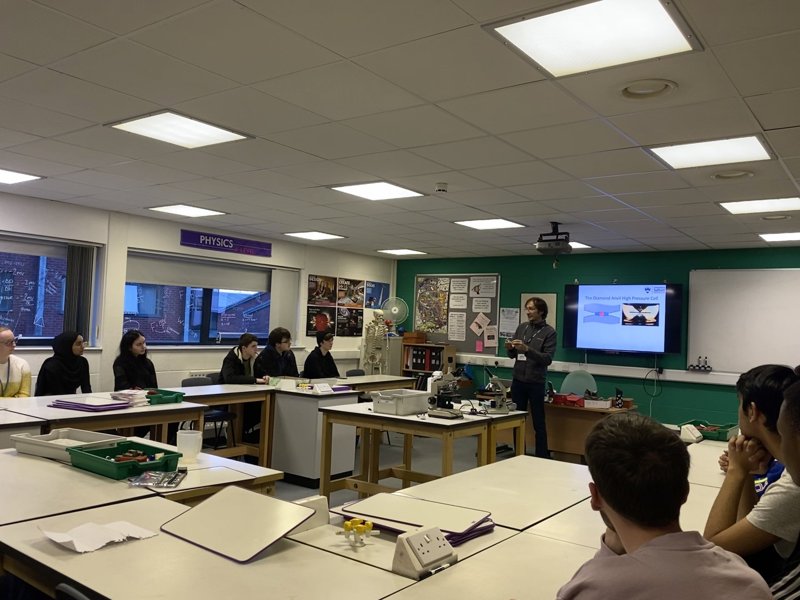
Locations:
{"points": [[427, 358]]}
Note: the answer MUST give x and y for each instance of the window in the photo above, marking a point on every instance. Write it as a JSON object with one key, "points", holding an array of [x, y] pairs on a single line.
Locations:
{"points": [[187, 302], [32, 283]]}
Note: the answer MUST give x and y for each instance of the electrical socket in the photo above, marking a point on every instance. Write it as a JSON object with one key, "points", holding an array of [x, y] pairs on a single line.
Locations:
{"points": [[430, 546], [191, 374], [420, 553]]}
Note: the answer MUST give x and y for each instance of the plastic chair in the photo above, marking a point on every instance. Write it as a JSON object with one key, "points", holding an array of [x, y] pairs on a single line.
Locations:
{"points": [[219, 417], [355, 373], [577, 382], [64, 591]]}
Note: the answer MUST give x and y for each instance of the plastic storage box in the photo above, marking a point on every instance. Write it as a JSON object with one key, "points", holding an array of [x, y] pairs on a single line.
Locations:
{"points": [[100, 460], [720, 433], [400, 402], [165, 397], [55, 444]]}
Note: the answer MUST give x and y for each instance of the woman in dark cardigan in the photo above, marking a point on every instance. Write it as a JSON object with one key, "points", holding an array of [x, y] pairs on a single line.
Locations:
{"points": [[132, 369]]}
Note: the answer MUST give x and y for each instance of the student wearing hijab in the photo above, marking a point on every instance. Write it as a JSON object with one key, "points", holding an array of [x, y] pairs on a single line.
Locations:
{"points": [[132, 368], [319, 363], [238, 365], [65, 371], [15, 373]]}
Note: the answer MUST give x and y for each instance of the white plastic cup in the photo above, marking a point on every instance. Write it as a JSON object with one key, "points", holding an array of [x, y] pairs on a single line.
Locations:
{"points": [[189, 444]]}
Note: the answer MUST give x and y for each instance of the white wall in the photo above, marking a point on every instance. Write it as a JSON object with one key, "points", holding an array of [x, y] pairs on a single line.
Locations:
{"points": [[117, 233]]}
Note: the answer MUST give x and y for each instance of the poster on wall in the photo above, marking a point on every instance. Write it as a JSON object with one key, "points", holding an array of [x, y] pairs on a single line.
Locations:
{"points": [[350, 293], [320, 318], [349, 321], [431, 305], [321, 290], [376, 294]]}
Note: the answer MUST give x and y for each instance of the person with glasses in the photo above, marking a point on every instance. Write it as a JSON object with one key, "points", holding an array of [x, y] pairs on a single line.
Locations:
{"points": [[277, 358], [15, 372], [67, 370]]}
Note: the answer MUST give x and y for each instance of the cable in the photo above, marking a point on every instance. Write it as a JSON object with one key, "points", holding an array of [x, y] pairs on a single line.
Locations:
{"points": [[657, 389]]}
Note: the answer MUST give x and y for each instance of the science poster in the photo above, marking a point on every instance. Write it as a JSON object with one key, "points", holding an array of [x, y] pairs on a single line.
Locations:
{"points": [[349, 321], [321, 290], [376, 294], [350, 293], [320, 318]]}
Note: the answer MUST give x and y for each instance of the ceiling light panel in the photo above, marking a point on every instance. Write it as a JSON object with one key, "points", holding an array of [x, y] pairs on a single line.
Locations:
{"points": [[315, 235], [379, 190], [485, 224], [761, 206], [780, 237], [597, 35], [715, 152], [187, 211], [11, 177], [179, 130], [402, 252]]}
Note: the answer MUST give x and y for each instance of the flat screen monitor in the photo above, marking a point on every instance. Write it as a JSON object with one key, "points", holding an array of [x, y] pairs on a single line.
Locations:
{"points": [[623, 318]]}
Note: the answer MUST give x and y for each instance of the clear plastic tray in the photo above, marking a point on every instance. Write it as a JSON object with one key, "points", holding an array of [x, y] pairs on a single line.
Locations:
{"points": [[400, 402], [55, 444]]}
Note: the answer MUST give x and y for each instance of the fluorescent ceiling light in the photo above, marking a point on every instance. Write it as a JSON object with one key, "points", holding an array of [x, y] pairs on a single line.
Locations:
{"points": [[780, 237], [176, 129], [315, 235], [380, 190], [597, 35], [761, 206], [187, 211], [489, 224], [716, 152], [402, 252], [14, 177], [578, 246]]}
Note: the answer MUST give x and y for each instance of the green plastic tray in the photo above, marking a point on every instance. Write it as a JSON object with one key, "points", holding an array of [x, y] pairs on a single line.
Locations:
{"points": [[165, 397], [722, 434], [101, 460]]}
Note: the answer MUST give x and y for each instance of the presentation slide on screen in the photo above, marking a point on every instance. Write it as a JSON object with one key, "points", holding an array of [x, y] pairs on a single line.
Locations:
{"points": [[621, 317]]}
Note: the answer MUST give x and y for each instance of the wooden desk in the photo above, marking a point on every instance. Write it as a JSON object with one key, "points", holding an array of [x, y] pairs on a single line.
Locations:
{"points": [[568, 426], [581, 525], [158, 415], [237, 396], [519, 491], [524, 566], [373, 383], [167, 567], [35, 487], [373, 424]]}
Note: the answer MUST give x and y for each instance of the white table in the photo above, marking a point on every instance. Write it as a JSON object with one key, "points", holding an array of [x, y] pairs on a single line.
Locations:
{"points": [[298, 432], [12, 423], [518, 492], [581, 525], [35, 487], [704, 468], [524, 566], [167, 567], [157, 414], [372, 383]]}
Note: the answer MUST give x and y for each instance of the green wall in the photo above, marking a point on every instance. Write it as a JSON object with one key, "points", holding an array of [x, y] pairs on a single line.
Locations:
{"points": [[676, 401]]}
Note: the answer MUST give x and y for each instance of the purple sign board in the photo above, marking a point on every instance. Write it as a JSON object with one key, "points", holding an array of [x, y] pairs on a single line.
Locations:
{"points": [[224, 243]]}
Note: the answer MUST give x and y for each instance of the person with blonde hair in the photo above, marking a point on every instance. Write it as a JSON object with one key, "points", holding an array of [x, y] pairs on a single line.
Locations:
{"points": [[15, 372]]}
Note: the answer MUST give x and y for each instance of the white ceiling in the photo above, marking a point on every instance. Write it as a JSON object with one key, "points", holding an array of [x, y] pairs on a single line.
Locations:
{"points": [[414, 92]]}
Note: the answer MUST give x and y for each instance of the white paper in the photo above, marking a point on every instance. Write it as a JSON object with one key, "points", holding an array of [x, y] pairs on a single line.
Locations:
{"points": [[481, 305], [91, 536], [509, 319], [479, 324], [459, 286], [457, 326], [483, 287], [490, 336], [322, 388], [458, 301]]}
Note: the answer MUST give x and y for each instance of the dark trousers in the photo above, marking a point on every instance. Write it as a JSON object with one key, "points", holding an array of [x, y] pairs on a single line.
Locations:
{"points": [[532, 394]]}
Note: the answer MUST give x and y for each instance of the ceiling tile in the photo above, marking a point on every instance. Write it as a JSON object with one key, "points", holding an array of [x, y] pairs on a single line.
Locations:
{"points": [[34, 165], [725, 21], [200, 163], [602, 164], [640, 182], [469, 154], [568, 140], [24, 118], [762, 171], [9, 138], [456, 182], [448, 65], [260, 153], [776, 110], [763, 65], [213, 187], [667, 197], [11, 67], [147, 173], [268, 181], [785, 142], [352, 27], [234, 41], [330, 140], [520, 209], [134, 69], [325, 172], [518, 173], [751, 190], [67, 153], [589, 203], [398, 163], [116, 141], [685, 210], [338, 91], [485, 198], [417, 126], [555, 190], [41, 35]]}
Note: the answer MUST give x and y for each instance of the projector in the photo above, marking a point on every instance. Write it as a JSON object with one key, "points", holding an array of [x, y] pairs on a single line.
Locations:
{"points": [[554, 242]]}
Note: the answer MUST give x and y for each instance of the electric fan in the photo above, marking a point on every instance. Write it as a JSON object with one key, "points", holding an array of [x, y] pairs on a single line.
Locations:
{"points": [[395, 310]]}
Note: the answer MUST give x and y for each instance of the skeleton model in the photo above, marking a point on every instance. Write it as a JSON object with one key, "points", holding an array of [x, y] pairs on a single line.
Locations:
{"points": [[375, 345]]}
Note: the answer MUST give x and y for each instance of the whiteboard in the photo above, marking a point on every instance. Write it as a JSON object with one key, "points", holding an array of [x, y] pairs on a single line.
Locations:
{"points": [[742, 318]]}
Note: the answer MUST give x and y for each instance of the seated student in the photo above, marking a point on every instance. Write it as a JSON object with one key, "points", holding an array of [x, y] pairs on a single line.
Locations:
{"points": [[132, 369], [238, 364], [319, 363], [787, 585], [763, 530], [15, 373], [640, 473], [277, 358], [65, 371]]}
